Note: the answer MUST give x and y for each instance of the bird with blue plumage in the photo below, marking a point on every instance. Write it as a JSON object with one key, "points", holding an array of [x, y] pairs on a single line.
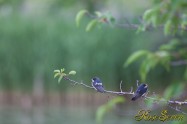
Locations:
{"points": [[97, 85], [141, 90]]}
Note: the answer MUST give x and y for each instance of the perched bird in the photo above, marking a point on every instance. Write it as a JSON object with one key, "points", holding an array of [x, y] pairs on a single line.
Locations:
{"points": [[97, 84], [142, 89]]}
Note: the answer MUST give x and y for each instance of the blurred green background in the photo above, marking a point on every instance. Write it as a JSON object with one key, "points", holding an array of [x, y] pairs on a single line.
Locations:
{"points": [[39, 36]]}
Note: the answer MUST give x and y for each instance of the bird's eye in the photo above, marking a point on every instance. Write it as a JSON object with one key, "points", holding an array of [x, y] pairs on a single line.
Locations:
{"points": [[95, 78]]}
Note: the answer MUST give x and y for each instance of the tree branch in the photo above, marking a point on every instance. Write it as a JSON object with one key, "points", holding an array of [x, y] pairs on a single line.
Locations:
{"points": [[177, 102], [176, 109], [75, 82], [179, 62], [168, 102], [106, 91], [129, 26], [147, 27]]}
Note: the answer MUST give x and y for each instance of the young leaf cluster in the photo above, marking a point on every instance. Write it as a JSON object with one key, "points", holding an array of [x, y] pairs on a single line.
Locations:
{"points": [[98, 18], [171, 14], [61, 74], [166, 56], [150, 60]]}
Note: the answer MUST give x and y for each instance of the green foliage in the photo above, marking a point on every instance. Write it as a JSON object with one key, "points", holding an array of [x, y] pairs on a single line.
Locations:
{"points": [[150, 61], [172, 45], [104, 109], [136, 56], [164, 58], [79, 16], [93, 23], [167, 52], [98, 19], [169, 13], [168, 27], [184, 21], [174, 90], [62, 74], [72, 72]]}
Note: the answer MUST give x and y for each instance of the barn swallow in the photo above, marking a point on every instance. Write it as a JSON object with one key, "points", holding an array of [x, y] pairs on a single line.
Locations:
{"points": [[97, 84], [141, 90]]}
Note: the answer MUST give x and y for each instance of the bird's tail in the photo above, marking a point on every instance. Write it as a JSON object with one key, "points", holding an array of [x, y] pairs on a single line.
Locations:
{"points": [[134, 98]]}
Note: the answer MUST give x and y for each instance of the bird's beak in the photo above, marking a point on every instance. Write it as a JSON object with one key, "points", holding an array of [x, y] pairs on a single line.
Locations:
{"points": [[92, 80], [146, 86]]}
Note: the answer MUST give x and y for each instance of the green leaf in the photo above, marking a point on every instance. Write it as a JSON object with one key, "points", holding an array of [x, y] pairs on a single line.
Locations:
{"points": [[148, 14], [184, 21], [164, 58], [110, 19], [62, 70], [168, 27], [91, 24], [135, 56], [101, 111], [144, 69], [99, 14], [148, 63], [171, 45], [104, 109], [56, 71], [162, 54], [72, 72], [79, 16], [155, 20], [141, 28], [57, 74], [60, 78], [116, 100], [174, 90], [184, 25]]}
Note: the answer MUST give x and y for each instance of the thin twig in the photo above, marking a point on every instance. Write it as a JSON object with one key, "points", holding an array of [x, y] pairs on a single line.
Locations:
{"points": [[120, 86], [131, 90], [177, 102], [137, 81], [135, 26], [119, 93], [75, 82], [106, 91], [131, 26], [168, 102], [147, 28], [179, 62], [176, 109]]}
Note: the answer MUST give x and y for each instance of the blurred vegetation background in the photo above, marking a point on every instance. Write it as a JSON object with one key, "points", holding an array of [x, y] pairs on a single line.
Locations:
{"points": [[39, 36]]}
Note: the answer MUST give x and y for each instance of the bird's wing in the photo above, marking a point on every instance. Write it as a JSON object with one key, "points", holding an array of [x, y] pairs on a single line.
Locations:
{"points": [[138, 91], [100, 88]]}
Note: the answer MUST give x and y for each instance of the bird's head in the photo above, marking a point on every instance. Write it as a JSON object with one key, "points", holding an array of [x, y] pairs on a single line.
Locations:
{"points": [[145, 85], [96, 80]]}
